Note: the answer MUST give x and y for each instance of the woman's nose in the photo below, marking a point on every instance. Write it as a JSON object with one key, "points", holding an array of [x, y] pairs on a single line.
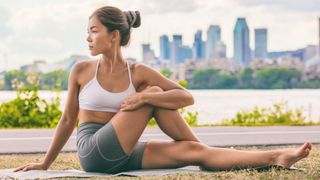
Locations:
{"points": [[89, 38]]}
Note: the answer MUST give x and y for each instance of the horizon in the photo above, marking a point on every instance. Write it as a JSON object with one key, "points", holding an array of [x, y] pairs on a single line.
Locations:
{"points": [[47, 30]]}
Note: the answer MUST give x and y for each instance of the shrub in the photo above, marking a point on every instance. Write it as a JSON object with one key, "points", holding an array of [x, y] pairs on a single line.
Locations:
{"points": [[191, 118], [278, 114], [28, 110]]}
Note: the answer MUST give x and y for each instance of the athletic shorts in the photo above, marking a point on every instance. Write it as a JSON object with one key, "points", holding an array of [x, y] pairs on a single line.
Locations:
{"points": [[99, 150]]}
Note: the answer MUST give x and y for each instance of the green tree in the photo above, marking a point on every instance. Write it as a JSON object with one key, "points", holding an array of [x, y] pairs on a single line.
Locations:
{"points": [[278, 78], [55, 80], [246, 79], [204, 79]]}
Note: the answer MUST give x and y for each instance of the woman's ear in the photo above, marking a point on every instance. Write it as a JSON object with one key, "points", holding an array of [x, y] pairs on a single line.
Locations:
{"points": [[115, 36]]}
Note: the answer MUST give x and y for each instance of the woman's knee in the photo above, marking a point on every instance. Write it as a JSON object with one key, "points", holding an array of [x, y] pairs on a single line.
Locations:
{"points": [[195, 146]]}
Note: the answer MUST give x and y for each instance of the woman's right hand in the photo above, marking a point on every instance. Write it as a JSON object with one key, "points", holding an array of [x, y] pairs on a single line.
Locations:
{"points": [[31, 166]]}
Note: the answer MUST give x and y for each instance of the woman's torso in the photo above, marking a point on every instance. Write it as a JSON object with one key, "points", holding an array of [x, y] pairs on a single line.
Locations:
{"points": [[117, 82]]}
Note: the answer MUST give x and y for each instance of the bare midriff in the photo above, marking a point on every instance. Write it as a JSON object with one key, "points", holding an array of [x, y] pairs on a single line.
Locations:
{"points": [[95, 116]]}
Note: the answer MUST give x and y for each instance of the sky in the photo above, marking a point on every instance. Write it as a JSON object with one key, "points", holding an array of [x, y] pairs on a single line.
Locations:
{"points": [[52, 30]]}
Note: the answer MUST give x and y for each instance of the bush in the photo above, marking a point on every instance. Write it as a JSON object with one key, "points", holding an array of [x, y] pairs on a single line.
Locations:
{"points": [[28, 110], [278, 114], [191, 118]]}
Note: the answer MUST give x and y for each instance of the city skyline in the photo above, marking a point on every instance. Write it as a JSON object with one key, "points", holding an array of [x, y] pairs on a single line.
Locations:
{"points": [[33, 32]]}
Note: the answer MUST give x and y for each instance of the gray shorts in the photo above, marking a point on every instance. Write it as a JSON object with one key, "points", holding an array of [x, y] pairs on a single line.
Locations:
{"points": [[99, 149]]}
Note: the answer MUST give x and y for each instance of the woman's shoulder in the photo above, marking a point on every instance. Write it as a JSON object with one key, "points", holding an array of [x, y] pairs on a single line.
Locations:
{"points": [[138, 66], [83, 66]]}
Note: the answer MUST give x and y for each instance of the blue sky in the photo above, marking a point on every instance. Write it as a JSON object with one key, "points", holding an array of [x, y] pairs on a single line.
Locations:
{"points": [[54, 29]]}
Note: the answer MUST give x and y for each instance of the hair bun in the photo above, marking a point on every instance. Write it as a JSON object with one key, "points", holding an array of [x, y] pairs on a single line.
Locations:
{"points": [[133, 18]]}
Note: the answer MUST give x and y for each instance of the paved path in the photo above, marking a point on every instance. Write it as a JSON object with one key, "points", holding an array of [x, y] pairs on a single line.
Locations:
{"points": [[38, 140]]}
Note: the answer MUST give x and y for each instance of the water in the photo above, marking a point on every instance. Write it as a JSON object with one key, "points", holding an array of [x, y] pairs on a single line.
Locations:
{"points": [[215, 105]]}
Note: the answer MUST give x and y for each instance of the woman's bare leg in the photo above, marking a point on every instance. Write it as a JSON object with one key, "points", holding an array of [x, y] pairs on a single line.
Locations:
{"points": [[181, 153], [129, 126], [171, 121]]}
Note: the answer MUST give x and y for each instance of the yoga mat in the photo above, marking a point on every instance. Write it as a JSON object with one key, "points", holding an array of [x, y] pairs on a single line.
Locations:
{"points": [[42, 174]]}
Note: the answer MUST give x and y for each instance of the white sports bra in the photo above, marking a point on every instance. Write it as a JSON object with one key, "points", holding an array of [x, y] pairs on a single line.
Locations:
{"points": [[94, 97]]}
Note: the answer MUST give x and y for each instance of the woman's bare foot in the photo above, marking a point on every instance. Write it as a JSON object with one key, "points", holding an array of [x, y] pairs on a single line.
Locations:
{"points": [[288, 157]]}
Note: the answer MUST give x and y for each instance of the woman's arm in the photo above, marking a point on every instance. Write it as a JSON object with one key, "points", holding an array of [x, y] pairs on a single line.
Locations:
{"points": [[65, 126], [174, 96], [170, 99]]}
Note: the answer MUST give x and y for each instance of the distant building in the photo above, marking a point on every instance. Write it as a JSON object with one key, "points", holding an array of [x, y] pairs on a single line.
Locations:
{"points": [[241, 55], [42, 67], [176, 49], [309, 52], [213, 36], [37, 66], [147, 54], [220, 50], [164, 47], [198, 46], [185, 52], [261, 43]]}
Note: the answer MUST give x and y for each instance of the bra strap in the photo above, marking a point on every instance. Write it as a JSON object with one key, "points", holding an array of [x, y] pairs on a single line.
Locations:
{"points": [[97, 66], [129, 72]]}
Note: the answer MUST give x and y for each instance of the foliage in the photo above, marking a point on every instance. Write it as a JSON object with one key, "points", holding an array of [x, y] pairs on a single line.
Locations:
{"points": [[20, 76], [55, 80], [183, 83], [166, 72], [266, 78], [191, 118], [278, 78], [278, 114], [28, 110]]}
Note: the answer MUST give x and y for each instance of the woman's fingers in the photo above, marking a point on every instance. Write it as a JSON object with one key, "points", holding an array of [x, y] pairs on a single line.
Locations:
{"points": [[19, 168]]}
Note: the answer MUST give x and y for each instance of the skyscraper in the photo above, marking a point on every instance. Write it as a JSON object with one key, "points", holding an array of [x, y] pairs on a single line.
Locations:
{"points": [[164, 47], [220, 50], [147, 53], [175, 49], [241, 55], [198, 45], [213, 36], [260, 43]]}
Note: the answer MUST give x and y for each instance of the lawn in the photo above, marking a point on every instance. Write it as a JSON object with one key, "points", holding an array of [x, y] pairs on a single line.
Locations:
{"points": [[70, 161]]}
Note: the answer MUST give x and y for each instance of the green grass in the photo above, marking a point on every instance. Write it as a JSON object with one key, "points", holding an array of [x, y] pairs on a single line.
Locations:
{"points": [[70, 161]]}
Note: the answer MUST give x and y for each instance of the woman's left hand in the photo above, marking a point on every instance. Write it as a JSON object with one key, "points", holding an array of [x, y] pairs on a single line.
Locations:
{"points": [[132, 102]]}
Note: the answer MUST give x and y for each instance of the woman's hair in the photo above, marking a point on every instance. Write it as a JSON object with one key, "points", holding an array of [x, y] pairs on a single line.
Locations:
{"points": [[114, 19]]}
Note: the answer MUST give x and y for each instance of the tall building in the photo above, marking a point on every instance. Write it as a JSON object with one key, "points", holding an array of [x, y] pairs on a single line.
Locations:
{"points": [[241, 55], [213, 36], [220, 50], [185, 52], [198, 46], [175, 49], [260, 43], [147, 53], [164, 47]]}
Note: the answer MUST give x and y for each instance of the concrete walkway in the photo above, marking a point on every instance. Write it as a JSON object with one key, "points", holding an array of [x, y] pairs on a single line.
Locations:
{"points": [[38, 140]]}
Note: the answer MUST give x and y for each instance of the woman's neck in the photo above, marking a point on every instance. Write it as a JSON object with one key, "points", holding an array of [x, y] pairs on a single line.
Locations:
{"points": [[113, 61]]}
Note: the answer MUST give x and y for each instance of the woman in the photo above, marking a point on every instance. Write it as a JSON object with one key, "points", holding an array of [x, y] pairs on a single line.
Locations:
{"points": [[113, 114]]}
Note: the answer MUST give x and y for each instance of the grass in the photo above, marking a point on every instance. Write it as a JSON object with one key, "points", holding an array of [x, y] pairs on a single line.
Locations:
{"points": [[70, 161]]}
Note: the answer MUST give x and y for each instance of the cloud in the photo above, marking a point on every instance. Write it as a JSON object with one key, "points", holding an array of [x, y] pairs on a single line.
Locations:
{"points": [[307, 6], [168, 6], [4, 17]]}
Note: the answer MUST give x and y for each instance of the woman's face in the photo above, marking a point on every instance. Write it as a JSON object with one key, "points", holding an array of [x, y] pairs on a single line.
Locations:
{"points": [[100, 40]]}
